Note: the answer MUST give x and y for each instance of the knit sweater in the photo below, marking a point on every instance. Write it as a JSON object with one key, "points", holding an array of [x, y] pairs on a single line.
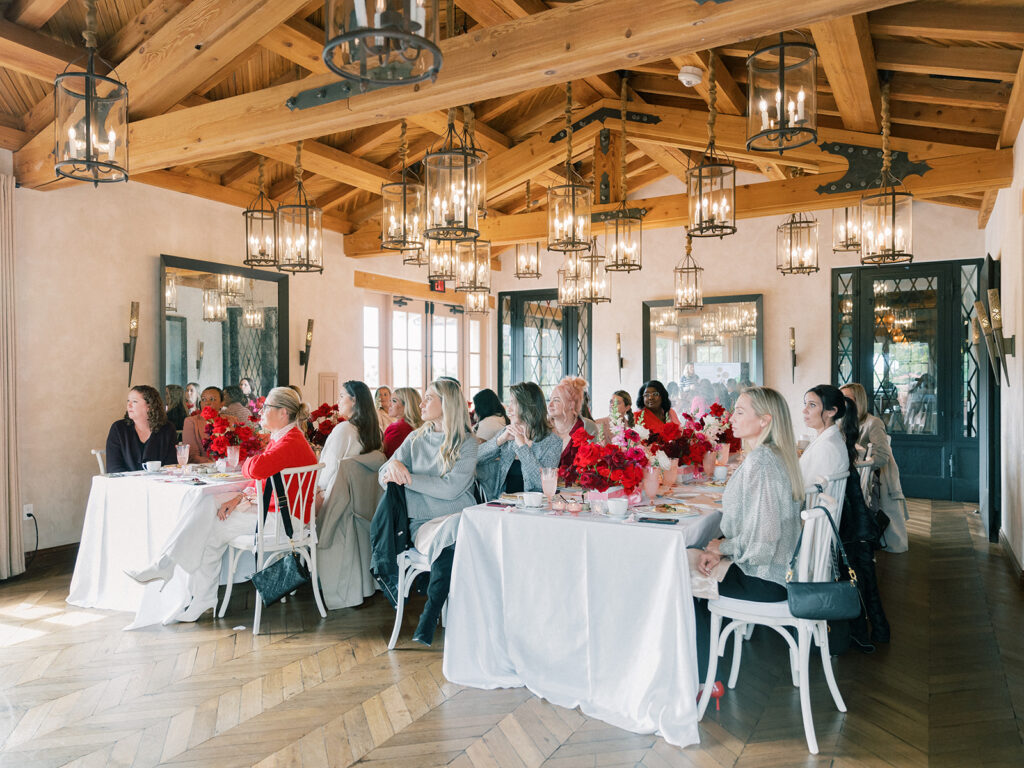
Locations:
{"points": [[760, 518], [495, 460], [432, 493]]}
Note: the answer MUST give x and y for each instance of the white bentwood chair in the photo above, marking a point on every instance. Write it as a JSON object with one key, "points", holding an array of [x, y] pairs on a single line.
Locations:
{"points": [[272, 543], [411, 563], [814, 563], [101, 459]]}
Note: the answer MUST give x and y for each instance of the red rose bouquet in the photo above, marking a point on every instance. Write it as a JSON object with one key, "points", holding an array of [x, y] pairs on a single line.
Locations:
{"points": [[321, 423], [687, 443], [598, 467], [256, 406], [221, 433]]}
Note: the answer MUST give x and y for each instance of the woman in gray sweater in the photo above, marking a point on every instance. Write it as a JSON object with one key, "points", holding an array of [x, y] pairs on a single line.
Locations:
{"points": [[511, 460], [760, 510]]}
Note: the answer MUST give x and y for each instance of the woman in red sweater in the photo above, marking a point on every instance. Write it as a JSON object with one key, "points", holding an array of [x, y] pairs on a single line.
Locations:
{"points": [[405, 412], [198, 543]]}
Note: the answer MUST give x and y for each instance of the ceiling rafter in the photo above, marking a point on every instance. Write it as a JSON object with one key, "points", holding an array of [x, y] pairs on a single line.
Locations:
{"points": [[943, 21], [33, 14], [960, 61], [847, 53], [32, 53]]}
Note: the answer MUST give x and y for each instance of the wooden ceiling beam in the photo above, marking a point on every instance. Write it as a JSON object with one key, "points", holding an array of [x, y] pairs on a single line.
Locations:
{"points": [[325, 160], [988, 202], [1014, 110], [955, 93], [11, 135], [848, 56], [33, 14], [942, 116], [673, 160], [240, 170], [368, 139], [959, 61], [34, 54], [298, 41], [141, 28], [491, 12], [490, 140], [979, 171], [730, 98], [943, 21]]}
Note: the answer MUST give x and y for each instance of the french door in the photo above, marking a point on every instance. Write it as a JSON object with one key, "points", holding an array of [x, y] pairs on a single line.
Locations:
{"points": [[426, 342], [903, 332]]}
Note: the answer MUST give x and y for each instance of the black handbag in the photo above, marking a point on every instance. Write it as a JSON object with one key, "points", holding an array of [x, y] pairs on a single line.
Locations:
{"points": [[289, 572], [823, 600]]}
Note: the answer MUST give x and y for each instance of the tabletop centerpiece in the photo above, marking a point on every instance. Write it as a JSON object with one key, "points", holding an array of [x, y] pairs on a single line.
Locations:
{"points": [[221, 434], [601, 467], [321, 423]]}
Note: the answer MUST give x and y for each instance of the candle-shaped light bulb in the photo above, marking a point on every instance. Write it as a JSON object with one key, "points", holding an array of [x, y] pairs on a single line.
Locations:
{"points": [[800, 104], [763, 107], [111, 144]]}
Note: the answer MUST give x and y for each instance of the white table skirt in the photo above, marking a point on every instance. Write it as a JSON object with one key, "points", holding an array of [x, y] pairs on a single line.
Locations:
{"points": [[583, 611], [127, 522]]}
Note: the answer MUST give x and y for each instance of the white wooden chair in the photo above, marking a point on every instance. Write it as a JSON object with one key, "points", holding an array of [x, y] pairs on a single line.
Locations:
{"points": [[832, 486], [101, 459], [813, 564], [272, 543], [411, 563]]}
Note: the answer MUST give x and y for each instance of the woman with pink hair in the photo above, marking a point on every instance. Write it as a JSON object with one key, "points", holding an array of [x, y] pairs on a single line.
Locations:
{"points": [[564, 408]]}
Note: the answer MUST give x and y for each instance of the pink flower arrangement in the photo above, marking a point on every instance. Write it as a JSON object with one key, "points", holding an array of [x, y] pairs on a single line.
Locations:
{"points": [[321, 423]]}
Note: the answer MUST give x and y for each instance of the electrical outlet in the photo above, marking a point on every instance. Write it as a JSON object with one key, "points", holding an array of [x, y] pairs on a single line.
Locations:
{"points": [[27, 511]]}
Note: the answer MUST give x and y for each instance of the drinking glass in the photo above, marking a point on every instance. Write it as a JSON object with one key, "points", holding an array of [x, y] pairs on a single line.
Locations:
{"points": [[652, 481], [549, 481], [182, 450], [233, 451]]}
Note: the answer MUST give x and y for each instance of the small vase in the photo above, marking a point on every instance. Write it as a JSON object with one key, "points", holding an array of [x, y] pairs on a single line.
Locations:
{"points": [[669, 475], [722, 454], [709, 463], [651, 482]]}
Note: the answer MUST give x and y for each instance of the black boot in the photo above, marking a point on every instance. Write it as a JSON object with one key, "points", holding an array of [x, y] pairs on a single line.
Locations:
{"points": [[867, 583], [437, 593]]}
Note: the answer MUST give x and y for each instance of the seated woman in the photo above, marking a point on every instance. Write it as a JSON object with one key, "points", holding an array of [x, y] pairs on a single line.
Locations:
{"points": [[249, 391], [511, 460], [826, 412], [176, 411], [405, 410], [434, 471], [198, 542], [191, 397], [886, 492], [382, 399], [143, 435], [657, 405], [236, 405], [359, 433], [760, 510], [193, 432], [620, 406], [564, 412], [491, 417]]}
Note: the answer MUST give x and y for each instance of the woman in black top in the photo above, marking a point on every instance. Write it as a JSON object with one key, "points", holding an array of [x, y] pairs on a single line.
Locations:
{"points": [[176, 412], [143, 435]]}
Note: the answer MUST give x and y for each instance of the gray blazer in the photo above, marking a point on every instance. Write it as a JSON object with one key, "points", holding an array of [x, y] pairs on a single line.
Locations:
{"points": [[494, 461]]}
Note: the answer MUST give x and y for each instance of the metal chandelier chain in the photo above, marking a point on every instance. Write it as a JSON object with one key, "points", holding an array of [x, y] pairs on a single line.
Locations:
{"points": [[298, 162], [403, 146], [886, 151], [689, 244], [528, 201], [622, 111], [262, 163], [568, 126], [89, 33], [712, 98]]}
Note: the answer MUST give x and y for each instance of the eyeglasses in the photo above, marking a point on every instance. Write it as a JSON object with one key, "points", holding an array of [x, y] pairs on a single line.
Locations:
{"points": [[268, 407]]}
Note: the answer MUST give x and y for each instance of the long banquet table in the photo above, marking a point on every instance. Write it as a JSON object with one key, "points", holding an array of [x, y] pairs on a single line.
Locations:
{"points": [[127, 522], [583, 610]]}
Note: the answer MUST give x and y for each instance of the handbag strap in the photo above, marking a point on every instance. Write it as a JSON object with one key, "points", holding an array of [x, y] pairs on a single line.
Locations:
{"points": [[839, 544], [275, 484]]}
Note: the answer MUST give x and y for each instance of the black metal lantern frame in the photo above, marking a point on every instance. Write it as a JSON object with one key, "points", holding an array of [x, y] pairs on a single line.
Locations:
{"points": [[378, 43], [623, 227], [260, 229], [528, 254], [401, 218], [689, 282], [782, 110], [300, 239], [711, 184], [569, 204], [846, 229], [796, 245], [450, 171]]}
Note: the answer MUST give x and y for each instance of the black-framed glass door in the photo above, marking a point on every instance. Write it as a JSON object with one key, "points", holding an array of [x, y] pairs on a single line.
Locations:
{"points": [[540, 341], [903, 332]]}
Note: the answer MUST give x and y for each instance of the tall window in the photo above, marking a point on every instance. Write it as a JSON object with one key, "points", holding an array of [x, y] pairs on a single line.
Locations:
{"points": [[406, 349], [371, 346], [445, 347], [475, 358]]}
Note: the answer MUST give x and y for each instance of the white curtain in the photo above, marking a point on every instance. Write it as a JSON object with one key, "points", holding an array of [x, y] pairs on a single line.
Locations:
{"points": [[12, 552]]}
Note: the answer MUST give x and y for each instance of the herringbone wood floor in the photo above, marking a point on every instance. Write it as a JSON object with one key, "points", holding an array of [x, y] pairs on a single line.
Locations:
{"points": [[77, 691]]}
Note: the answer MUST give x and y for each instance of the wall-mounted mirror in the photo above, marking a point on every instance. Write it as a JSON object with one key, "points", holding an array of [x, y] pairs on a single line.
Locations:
{"points": [[220, 323], [724, 341]]}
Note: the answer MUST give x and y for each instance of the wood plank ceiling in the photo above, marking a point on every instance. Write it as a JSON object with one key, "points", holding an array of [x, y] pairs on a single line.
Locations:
{"points": [[209, 78]]}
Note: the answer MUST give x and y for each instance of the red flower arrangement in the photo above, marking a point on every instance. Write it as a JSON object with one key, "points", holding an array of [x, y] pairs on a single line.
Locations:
{"points": [[221, 433], [321, 423], [688, 443], [598, 467], [256, 406]]}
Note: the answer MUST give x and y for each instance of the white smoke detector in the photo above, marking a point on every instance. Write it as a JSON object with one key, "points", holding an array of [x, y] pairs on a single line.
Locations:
{"points": [[690, 76]]}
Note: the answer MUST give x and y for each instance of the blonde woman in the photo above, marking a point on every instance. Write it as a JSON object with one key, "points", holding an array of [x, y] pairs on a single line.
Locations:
{"points": [[760, 509], [433, 470], [405, 412], [382, 397]]}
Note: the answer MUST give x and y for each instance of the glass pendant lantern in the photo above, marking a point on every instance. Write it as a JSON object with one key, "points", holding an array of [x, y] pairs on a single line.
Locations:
{"points": [[402, 214], [478, 303], [473, 266], [252, 313], [528, 254], [796, 245], [782, 108], [689, 293], [569, 204], [569, 282], [711, 184], [382, 42], [594, 283], [450, 172], [233, 288], [215, 306], [300, 234], [846, 229], [90, 118], [623, 227], [170, 292], [886, 217], [260, 229], [440, 260]]}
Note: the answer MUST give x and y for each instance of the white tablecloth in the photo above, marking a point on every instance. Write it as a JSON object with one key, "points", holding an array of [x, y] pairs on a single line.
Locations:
{"points": [[583, 611], [127, 522]]}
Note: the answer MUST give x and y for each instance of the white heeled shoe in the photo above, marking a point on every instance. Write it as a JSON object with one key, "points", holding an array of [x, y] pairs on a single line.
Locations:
{"points": [[194, 611], [161, 571]]}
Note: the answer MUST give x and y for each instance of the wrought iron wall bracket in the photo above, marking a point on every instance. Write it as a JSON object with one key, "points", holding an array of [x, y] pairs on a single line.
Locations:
{"points": [[865, 167], [602, 216], [316, 97], [604, 192], [605, 113]]}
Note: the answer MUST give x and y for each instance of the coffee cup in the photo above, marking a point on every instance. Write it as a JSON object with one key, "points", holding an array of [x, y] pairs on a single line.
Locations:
{"points": [[721, 473], [617, 507], [533, 498], [152, 466]]}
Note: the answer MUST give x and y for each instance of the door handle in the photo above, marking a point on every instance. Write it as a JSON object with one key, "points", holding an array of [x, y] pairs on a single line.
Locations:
{"points": [[952, 464]]}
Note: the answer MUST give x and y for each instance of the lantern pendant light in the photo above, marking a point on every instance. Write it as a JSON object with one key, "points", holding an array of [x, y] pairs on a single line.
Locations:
{"points": [[689, 282], [402, 214], [170, 292], [796, 245], [478, 303], [300, 234], [528, 254], [440, 260], [450, 171], [473, 266], [623, 228], [782, 109], [593, 281], [232, 287], [260, 229], [711, 185], [90, 119], [886, 218], [569, 204], [469, 119], [569, 281], [382, 42], [846, 229], [215, 306], [252, 313]]}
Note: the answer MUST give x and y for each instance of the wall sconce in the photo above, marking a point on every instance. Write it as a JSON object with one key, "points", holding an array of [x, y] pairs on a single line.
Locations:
{"points": [[618, 351], [199, 357], [133, 337], [1003, 346], [792, 353], [304, 355], [986, 331]]}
